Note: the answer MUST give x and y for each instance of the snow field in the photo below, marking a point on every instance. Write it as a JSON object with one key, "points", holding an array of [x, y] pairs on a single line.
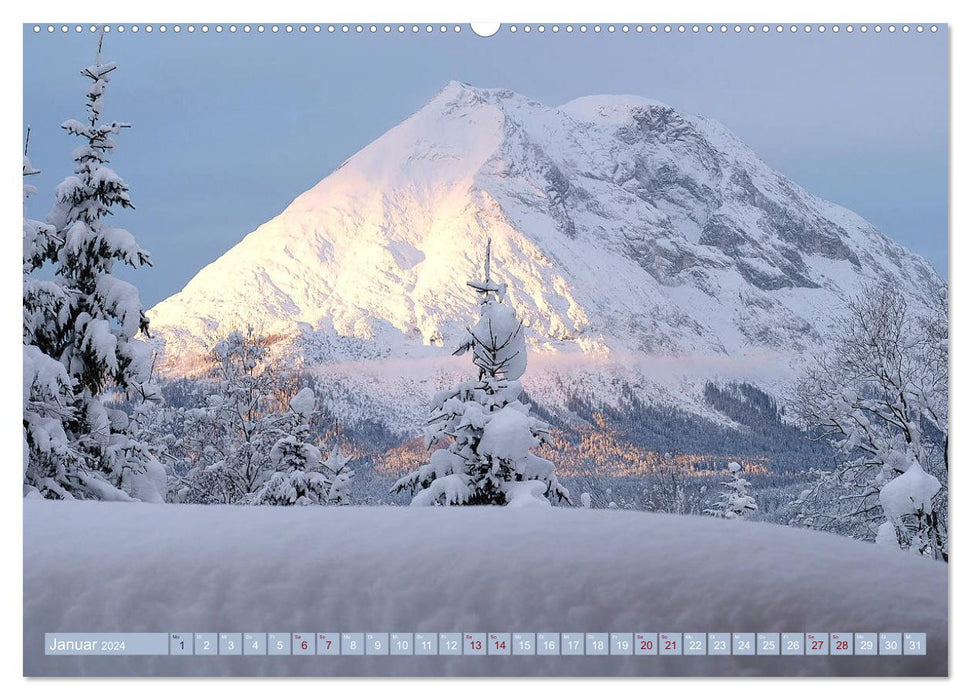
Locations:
{"points": [[92, 567]]}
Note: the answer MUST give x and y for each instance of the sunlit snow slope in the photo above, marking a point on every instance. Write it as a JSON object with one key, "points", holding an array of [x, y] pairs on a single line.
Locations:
{"points": [[621, 225]]}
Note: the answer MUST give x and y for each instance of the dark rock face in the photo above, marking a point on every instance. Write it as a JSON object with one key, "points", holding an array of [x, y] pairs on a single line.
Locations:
{"points": [[702, 185]]}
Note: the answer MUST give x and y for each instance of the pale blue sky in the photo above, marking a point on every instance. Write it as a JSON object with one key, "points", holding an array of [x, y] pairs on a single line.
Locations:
{"points": [[228, 129]]}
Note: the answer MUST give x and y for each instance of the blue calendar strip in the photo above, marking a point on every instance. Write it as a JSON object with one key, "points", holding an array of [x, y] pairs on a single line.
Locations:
{"points": [[487, 644]]}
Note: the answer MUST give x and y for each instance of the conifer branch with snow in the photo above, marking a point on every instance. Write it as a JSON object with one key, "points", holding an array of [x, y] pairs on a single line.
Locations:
{"points": [[48, 391]]}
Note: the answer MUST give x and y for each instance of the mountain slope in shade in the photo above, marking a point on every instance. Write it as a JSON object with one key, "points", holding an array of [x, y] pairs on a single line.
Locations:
{"points": [[622, 227]]}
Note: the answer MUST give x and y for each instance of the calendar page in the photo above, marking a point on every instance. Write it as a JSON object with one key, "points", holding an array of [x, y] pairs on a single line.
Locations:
{"points": [[544, 349]]}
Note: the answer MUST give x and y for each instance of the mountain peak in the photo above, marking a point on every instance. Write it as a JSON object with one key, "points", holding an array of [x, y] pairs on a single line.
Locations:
{"points": [[613, 108], [457, 92], [619, 224]]}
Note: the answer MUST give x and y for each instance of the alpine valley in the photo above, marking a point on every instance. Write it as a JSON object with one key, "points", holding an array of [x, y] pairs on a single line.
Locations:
{"points": [[656, 262]]}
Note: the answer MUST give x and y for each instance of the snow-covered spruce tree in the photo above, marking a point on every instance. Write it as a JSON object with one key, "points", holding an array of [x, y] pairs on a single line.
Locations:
{"points": [[880, 397], [92, 328], [48, 391], [489, 431], [735, 502]]}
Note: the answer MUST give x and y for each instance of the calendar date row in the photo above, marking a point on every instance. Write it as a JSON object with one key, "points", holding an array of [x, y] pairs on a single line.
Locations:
{"points": [[489, 644]]}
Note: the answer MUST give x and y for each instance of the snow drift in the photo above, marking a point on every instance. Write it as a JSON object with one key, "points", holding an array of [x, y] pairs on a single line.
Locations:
{"points": [[92, 567]]}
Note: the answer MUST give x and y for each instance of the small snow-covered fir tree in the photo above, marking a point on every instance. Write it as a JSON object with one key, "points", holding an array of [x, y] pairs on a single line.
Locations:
{"points": [[297, 479], [735, 502], [301, 476], [340, 474], [489, 430], [88, 319]]}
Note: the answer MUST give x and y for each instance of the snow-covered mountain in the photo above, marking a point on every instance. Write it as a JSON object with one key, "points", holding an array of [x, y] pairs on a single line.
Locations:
{"points": [[628, 233]]}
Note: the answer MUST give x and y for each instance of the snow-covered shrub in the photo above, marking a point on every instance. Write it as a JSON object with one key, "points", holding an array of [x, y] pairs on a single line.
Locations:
{"points": [[489, 430], [230, 438], [252, 439], [880, 397], [667, 490], [908, 501]]}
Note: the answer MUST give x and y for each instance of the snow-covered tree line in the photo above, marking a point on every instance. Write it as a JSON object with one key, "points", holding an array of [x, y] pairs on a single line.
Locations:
{"points": [[80, 328], [487, 432], [880, 397], [93, 426]]}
